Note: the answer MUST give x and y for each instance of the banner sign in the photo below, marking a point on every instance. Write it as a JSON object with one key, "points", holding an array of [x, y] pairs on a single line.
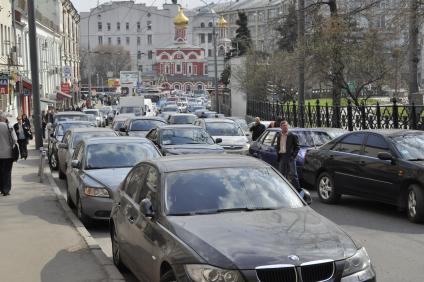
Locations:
{"points": [[65, 88], [4, 83]]}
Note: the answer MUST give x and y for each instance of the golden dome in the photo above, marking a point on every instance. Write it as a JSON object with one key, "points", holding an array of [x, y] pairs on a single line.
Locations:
{"points": [[181, 19], [222, 22]]}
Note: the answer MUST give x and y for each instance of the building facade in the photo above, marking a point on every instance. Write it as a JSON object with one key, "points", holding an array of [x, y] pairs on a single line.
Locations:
{"points": [[6, 43]]}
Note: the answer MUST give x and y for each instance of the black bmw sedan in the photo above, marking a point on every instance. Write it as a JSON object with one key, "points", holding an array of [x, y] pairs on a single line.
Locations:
{"points": [[226, 219], [381, 165]]}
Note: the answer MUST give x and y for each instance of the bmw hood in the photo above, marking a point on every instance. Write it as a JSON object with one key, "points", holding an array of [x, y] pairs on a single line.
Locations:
{"points": [[110, 178], [232, 140], [137, 133], [192, 149], [245, 240]]}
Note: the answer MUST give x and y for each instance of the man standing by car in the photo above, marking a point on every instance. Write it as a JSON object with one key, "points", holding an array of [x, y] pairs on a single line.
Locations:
{"points": [[257, 129], [287, 149]]}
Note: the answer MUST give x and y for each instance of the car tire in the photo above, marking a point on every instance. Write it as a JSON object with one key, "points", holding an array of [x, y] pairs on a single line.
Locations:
{"points": [[169, 276], [53, 161], [415, 204], [68, 197], [116, 251], [80, 213], [327, 193]]}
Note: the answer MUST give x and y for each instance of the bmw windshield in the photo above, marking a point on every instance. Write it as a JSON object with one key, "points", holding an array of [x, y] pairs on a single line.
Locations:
{"points": [[180, 136], [410, 146], [227, 189]]}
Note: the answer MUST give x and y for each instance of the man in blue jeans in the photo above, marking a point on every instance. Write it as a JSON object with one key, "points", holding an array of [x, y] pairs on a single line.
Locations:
{"points": [[287, 149]]}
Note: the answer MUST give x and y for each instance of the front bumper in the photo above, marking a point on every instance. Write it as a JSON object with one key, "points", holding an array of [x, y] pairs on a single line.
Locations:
{"points": [[96, 207]]}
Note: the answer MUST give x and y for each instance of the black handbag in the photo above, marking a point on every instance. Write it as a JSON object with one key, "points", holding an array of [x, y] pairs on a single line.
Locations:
{"points": [[15, 148]]}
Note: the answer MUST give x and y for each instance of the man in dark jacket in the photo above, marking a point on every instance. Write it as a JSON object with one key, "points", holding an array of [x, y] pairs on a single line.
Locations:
{"points": [[287, 149], [257, 129]]}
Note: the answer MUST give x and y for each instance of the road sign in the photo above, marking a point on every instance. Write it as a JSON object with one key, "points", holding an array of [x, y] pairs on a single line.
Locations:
{"points": [[129, 77], [4, 83], [67, 71], [65, 88]]}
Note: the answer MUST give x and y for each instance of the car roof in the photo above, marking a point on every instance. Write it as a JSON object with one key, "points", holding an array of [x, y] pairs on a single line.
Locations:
{"points": [[90, 129], [70, 113], [183, 114], [222, 120], [74, 122], [195, 162], [392, 132], [146, 118], [176, 126], [117, 139]]}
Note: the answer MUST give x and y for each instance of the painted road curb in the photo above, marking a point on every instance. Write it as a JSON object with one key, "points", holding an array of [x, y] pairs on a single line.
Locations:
{"points": [[107, 264]]}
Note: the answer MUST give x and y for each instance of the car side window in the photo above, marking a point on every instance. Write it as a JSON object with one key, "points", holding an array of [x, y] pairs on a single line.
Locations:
{"points": [[262, 137], [269, 139], [149, 188], [376, 144], [350, 144], [135, 181], [76, 152], [66, 138]]}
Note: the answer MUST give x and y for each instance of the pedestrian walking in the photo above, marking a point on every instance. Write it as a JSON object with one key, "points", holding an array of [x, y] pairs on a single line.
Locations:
{"points": [[287, 149], [44, 123], [23, 133], [7, 142], [26, 121], [257, 129]]}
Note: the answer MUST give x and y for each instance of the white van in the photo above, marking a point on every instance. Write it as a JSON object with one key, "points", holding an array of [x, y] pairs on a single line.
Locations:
{"points": [[149, 108]]}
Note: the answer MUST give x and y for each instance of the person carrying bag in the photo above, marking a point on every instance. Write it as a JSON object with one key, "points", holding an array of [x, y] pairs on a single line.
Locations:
{"points": [[9, 153]]}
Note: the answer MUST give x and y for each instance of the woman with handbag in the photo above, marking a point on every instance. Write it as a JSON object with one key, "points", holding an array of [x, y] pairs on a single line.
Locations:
{"points": [[8, 150], [23, 132]]}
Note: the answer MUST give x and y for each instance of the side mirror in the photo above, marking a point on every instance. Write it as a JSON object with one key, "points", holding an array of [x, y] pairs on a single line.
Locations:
{"points": [[306, 196], [384, 156], [147, 208], [62, 146], [75, 164], [218, 140], [122, 129]]}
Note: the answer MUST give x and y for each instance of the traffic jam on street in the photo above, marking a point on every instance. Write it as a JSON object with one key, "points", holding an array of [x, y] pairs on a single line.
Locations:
{"points": [[189, 196]]}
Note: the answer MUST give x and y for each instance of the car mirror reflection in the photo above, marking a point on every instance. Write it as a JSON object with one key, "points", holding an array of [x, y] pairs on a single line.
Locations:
{"points": [[147, 208], [306, 196]]}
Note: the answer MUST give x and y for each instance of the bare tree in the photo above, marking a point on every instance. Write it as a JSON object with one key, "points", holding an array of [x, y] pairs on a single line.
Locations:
{"points": [[413, 48]]}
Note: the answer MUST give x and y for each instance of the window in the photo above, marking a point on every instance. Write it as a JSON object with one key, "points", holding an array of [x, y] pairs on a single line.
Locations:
{"points": [[202, 38], [209, 52], [376, 144], [138, 26], [140, 68], [202, 25], [178, 68], [210, 37], [118, 40], [127, 40], [109, 40], [127, 26], [118, 26], [149, 25], [149, 39], [350, 144], [108, 26], [100, 40], [270, 138], [138, 55], [210, 24], [134, 181], [150, 55], [149, 188], [99, 26], [138, 40]]}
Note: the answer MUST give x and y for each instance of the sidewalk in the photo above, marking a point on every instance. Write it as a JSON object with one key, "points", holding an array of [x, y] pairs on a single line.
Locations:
{"points": [[37, 240]]}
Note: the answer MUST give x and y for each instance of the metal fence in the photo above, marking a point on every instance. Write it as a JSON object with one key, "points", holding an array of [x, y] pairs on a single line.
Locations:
{"points": [[350, 117]]}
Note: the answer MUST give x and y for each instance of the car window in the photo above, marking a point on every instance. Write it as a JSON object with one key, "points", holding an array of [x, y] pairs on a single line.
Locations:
{"points": [[76, 152], [149, 188], [376, 144], [262, 137], [79, 136], [179, 136], [223, 129], [66, 138], [135, 180], [350, 144], [269, 140]]}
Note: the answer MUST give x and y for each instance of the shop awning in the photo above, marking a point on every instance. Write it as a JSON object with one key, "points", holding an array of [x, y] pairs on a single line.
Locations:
{"points": [[63, 95]]}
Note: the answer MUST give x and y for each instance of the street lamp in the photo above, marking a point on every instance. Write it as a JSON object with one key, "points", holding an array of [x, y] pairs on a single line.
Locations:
{"points": [[215, 58]]}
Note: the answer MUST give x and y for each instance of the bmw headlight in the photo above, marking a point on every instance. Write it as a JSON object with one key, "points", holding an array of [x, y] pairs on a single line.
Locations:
{"points": [[207, 273], [96, 192], [357, 262]]}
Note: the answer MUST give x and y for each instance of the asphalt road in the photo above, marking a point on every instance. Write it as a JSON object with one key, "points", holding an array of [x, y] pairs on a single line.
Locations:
{"points": [[395, 245]]}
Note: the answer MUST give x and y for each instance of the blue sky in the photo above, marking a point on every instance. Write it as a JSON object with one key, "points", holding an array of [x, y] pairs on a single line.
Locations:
{"points": [[85, 5]]}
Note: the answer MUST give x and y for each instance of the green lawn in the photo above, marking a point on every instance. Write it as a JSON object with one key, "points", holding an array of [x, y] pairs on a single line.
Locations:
{"points": [[329, 101]]}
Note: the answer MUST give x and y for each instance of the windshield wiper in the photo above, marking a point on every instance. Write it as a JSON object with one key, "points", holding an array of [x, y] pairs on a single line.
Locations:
{"points": [[244, 209]]}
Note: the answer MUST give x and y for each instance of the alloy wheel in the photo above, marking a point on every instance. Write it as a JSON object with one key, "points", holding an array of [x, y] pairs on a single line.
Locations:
{"points": [[325, 187], [412, 204]]}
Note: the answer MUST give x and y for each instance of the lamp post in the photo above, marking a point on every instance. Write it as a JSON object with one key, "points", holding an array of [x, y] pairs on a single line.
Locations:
{"points": [[215, 58]]}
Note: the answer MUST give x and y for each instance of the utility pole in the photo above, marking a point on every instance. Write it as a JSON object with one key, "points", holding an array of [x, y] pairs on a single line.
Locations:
{"points": [[34, 75], [301, 59], [89, 58], [413, 49], [215, 58]]}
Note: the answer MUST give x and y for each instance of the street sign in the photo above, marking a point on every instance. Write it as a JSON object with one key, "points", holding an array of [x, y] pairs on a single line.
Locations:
{"points": [[65, 88], [67, 71], [129, 77], [4, 83]]}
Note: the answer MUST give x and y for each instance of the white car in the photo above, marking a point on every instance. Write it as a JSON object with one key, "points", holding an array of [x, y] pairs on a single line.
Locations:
{"points": [[100, 121]]}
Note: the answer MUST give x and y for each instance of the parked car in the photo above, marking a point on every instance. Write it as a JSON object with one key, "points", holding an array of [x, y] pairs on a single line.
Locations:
{"points": [[118, 123], [234, 140], [264, 147], [57, 136], [140, 126], [168, 110], [181, 119], [243, 124], [194, 108], [70, 140], [380, 165], [65, 116], [98, 115], [98, 166], [183, 139], [226, 218]]}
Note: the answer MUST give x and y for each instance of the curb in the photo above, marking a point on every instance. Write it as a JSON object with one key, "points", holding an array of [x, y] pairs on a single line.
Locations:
{"points": [[110, 269]]}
